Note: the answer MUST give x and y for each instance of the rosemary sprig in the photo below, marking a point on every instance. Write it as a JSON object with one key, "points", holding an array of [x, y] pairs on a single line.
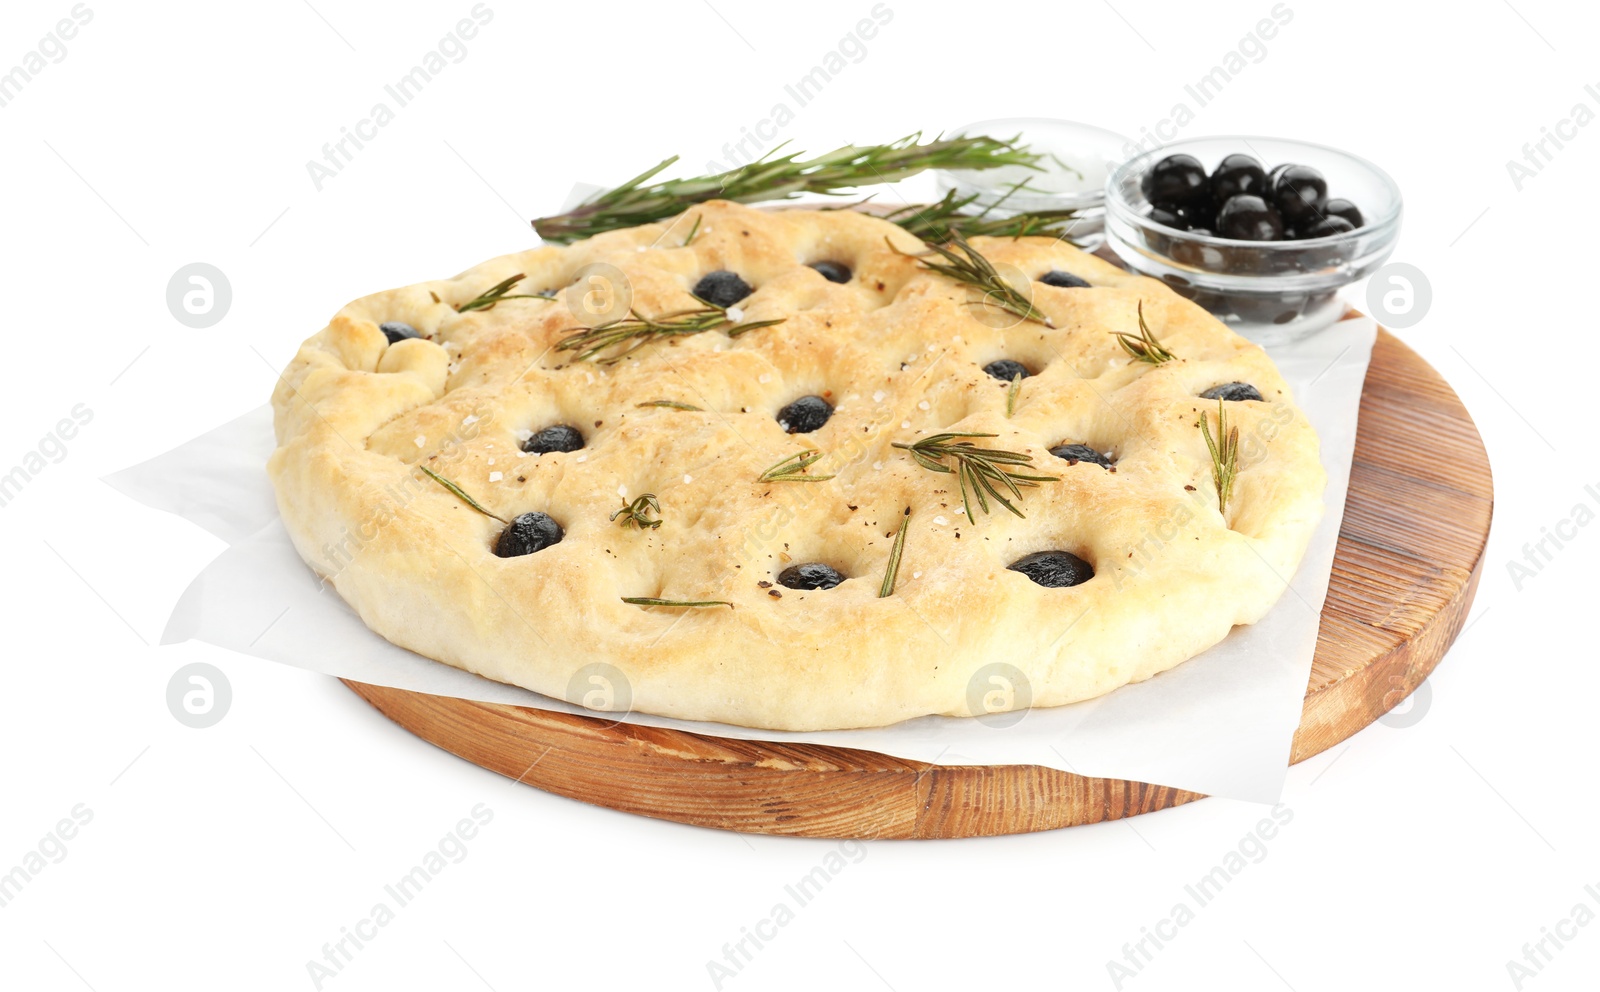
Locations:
{"points": [[892, 570], [652, 601], [940, 222], [501, 291], [1065, 166], [977, 469], [1224, 457], [1011, 394], [977, 271], [637, 513], [673, 404], [692, 231], [1143, 346], [793, 469], [777, 177], [636, 330], [460, 493]]}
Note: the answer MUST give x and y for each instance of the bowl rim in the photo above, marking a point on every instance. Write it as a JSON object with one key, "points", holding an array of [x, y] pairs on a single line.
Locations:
{"points": [[967, 181], [1118, 205]]}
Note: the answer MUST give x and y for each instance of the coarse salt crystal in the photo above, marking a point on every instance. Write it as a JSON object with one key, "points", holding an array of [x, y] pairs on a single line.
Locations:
{"points": [[905, 425], [495, 477], [735, 314], [924, 405], [877, 466], [764, 378], [581, 458], [688, 479], [879, 396], [491, 461], [622, 491], [469, 420], [916, 575], [421, 440], [941, 521]]}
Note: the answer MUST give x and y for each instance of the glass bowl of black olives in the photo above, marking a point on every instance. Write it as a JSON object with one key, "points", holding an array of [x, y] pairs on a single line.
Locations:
{"points": [[1263, 232]]}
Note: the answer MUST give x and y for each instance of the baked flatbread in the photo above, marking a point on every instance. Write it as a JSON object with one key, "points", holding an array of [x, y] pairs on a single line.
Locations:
{"points": [[899, 354]]}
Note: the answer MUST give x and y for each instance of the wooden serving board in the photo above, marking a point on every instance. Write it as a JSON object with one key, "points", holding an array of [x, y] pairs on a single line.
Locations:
{"points": [[1409, 556]]}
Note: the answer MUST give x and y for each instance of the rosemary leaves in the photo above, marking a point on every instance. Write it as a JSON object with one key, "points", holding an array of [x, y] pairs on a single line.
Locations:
{"points": [[460, 493], [1224, 450], [501, 291], [777, 177], [972, 269], [892, 570], [627, 335], [636, 514], [977, 469], [793, 469], [1144, 347]]}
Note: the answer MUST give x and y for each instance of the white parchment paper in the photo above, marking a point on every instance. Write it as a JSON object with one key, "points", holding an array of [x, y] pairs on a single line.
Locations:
{"points": [[1220, 724]]}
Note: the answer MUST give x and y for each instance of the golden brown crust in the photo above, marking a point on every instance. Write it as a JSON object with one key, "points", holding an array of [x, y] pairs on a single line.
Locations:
{"points": [[899, 351]]}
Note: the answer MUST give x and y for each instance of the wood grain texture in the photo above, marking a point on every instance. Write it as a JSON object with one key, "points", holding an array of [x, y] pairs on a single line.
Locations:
{"points": [[1409, 556]]}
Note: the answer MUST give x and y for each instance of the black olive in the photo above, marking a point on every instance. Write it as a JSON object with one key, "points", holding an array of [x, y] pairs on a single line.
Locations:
{"points": [[1299, 193], [1325, 227], [1075, 453], [722, 288], [528, 533], [811, 575], [1233, 391], [1005, 369], [833, 271], [560, 437], [1167, 217], [1340, 207], [1237, 174], [396, 330], [804, 415], [1202, 214], [1174, 181], [1063, 280], [1249, 218], [1054, 569]]}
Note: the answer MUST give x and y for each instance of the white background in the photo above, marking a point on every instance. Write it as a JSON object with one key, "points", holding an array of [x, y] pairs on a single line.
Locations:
{"points": [[1417, 857]]}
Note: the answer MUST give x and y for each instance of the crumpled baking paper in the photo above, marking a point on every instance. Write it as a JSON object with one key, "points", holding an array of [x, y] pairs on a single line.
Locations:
{"points": [[1221, 723]]}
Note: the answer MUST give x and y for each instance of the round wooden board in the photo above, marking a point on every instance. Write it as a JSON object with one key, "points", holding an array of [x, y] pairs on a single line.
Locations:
{"points": [[1409, 556]]}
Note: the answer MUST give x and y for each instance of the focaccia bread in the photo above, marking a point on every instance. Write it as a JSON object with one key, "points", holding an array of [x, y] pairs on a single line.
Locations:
{"points": [[1147, 571]]}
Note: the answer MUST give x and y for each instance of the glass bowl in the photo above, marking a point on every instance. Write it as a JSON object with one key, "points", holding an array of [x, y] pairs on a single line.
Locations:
{"points": [[1268, 291], [1078, 159]]}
